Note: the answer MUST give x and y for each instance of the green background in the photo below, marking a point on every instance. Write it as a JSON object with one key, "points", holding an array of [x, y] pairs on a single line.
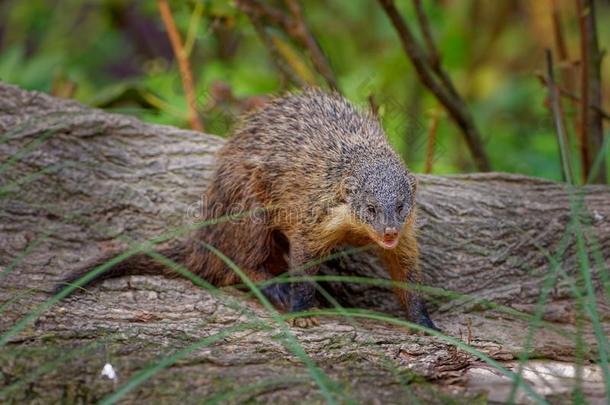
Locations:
{"points": [[118, 56]]}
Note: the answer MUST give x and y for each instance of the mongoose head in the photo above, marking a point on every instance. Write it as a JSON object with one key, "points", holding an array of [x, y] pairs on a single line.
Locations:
{"points": [[381, 197]]}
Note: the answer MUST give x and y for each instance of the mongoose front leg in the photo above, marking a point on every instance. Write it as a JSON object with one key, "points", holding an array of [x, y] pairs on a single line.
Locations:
{"points": [[298, 296], [403, 266], [294, 297], [302, 294]]}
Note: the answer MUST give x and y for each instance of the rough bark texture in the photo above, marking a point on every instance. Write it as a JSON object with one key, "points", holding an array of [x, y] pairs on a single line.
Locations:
{"points": [[76, 181]]}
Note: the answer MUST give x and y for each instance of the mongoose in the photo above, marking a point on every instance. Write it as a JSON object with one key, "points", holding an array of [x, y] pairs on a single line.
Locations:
{"points": [[321, 174]]}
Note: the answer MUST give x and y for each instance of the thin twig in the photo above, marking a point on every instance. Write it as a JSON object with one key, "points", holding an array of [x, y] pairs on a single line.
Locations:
{"points": [[294, 59], [261, 9], [373, 106], [567, 73], [434, 56], [499, 21], [430, 147], [183, 64], [304, 35], [296, 28], [562, 138], [583, 133], [63, 87], [286, 72], [591, 125], [452, 102], [560, 43], [574, 97], [194, 24]]}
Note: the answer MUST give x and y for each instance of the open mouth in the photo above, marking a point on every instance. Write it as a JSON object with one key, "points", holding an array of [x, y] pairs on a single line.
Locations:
{"points": [[388, 243]]}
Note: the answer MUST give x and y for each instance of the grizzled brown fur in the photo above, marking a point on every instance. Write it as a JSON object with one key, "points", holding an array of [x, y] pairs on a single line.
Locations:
{"points": [[319, 174]]}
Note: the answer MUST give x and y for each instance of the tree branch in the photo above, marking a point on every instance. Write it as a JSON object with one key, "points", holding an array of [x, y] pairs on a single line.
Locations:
{"points": [[591, 126], [296, 27], [573, 96], [284, 68], [434, 56], [431, 144], [559, 120], [454, 104], [302, 32], [75, 184], [183, 64]]}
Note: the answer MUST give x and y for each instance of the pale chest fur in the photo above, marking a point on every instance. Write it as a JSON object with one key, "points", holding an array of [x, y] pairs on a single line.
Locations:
{"points": [[341, 226]]}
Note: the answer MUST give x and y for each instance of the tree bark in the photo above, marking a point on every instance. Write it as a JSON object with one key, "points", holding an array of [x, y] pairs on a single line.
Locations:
{"points": [[75, 182]]}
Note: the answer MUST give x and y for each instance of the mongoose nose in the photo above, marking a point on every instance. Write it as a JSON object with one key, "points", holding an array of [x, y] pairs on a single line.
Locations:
{"points": [[390, 233]]}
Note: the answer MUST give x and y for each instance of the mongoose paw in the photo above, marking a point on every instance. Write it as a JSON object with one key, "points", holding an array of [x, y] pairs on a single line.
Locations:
{"points": [[427, 322], [278, 294], [304, 322], [419, 315]]}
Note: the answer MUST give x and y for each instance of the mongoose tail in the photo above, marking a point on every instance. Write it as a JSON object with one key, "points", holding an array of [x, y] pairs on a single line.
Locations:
{"points": [[138, 264]]}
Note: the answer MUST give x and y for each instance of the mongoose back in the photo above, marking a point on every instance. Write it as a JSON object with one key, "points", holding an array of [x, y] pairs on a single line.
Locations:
{"points": [[316, 173]]}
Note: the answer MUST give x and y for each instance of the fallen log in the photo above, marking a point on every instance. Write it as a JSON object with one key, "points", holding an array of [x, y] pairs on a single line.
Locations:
{"points": [[76, 182]]}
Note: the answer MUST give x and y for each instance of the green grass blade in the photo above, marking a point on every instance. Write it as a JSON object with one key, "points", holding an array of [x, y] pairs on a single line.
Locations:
{"points": [[591, 306], [23, 151], [167, 361], [49, 366], [446, 338], [327, 386], [271, 383]]}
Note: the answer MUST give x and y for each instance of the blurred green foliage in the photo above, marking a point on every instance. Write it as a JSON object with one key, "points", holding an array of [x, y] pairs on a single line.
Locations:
{"points": [[115, 54]]}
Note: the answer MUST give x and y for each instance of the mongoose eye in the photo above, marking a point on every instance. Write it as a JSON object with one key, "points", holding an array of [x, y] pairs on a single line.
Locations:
{"points": [[371, 209], [400, 207]]}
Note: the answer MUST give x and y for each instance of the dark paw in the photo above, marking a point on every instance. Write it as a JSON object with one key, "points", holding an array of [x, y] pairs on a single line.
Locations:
{"points": [[279, 295], [303, 297], [419, 315], [424, 320], [291, 297]]}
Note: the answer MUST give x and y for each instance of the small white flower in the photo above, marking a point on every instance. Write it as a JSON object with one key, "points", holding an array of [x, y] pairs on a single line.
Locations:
{"points": [[108, 371]]}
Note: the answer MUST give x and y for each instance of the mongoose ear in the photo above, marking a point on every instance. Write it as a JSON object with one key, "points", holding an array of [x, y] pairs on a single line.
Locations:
{"points": [[349, 185], [412, 182]]}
